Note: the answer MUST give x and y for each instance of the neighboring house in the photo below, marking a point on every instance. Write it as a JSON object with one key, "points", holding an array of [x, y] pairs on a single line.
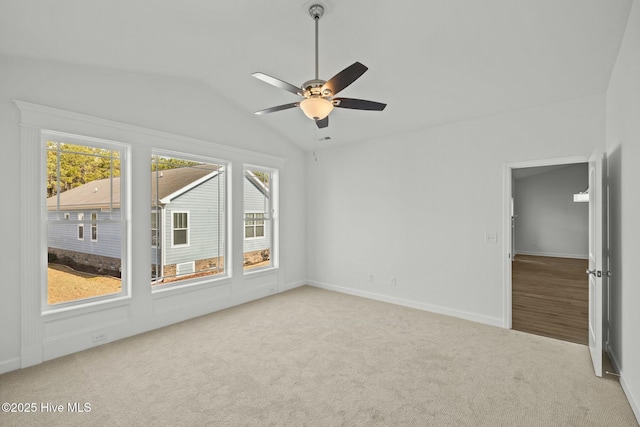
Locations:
{"points": [[187, 221]]}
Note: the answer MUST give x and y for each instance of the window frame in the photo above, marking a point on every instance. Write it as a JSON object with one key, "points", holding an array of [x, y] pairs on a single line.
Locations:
{"points": [[159, 284], [270, 220], [124, 219]]}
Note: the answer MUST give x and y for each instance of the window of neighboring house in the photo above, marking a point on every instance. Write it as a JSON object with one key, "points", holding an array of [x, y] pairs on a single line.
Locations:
{"points": [[260, 191], [94, 226], [253, 225], [189, 212], [155, 230], [180, 227], [82, 174], [80, 226]]}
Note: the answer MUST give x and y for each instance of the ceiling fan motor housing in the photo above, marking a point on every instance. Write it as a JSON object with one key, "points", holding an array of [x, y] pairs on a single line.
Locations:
{"points": [[314, 88]]}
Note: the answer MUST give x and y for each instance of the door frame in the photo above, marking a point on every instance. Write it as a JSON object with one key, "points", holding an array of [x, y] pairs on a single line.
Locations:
{"points": [[507, 230]]}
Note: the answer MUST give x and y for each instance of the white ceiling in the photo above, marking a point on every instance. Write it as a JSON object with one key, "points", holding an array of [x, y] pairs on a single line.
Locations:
{"points": [[431, 61]]}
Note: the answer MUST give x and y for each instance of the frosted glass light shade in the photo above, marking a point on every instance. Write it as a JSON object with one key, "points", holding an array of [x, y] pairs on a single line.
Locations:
{"points": [[316, 108]]}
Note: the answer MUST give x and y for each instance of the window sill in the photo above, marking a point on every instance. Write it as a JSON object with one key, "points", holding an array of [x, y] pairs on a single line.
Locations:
{"points": [[258, 271], [190, 285], [53, 313]]}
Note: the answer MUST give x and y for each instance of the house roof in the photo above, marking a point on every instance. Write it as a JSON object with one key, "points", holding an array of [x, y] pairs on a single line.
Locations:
{"points": [[174, 182], [96, 194]]}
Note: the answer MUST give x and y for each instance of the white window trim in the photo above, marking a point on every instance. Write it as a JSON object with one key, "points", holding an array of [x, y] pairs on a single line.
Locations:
{"points": [[44, 135], [173, 229], [184, 284], [271, 216]]}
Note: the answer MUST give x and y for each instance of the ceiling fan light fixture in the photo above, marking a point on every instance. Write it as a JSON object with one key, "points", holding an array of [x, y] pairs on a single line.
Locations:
{"points": [[319, 94], [316, 108]]}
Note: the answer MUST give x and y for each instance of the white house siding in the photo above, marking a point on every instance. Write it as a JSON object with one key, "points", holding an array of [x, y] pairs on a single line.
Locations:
{"points": [[205, 225], [255, 201]]}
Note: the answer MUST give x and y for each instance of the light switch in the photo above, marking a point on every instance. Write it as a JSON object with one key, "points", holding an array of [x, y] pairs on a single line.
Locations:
{"points": [[490, 237]]}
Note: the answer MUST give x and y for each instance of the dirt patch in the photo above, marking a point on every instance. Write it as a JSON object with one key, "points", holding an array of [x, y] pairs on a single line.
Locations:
{"points": [[66, 284]]}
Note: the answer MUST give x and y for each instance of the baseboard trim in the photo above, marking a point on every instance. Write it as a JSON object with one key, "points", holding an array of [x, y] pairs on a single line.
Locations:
{"points": [[10, 365], [411, 304], [552, 254], [633, 402], [635, 406], [288, 286]]}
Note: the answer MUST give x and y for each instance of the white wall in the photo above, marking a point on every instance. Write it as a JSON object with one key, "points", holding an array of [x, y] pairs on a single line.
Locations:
{"points": [[623, 151], [417, 207], [548, 221], [181, 107]]}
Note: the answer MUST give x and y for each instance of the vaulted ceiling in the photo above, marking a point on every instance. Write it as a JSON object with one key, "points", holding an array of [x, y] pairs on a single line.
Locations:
{"points": [[431, 61]]}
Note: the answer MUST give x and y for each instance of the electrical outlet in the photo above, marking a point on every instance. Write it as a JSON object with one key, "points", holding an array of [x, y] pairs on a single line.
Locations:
{"points": [[491, 238], [371, 277], [392, 281]]}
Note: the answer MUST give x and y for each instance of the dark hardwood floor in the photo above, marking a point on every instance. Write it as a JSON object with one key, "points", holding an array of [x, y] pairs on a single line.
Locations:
{"points": [[550, 297]]}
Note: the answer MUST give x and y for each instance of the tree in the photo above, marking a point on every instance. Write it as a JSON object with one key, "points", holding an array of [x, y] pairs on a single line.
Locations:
{"points": [[163, 163], [71, 165]]}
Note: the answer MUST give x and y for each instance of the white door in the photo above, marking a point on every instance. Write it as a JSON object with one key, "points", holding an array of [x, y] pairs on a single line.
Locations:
{"points": [[596, 258]]}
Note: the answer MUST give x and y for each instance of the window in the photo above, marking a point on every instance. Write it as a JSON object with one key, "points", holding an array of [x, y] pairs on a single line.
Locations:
{"points": [[189, 212], [254, 225], [94, 227], [80, 226], [259, 218], [180, 228], [84, 175], [155, 241]]}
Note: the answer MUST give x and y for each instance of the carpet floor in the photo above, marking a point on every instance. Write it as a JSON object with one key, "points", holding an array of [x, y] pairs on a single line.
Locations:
{"points": [[311, 357]]}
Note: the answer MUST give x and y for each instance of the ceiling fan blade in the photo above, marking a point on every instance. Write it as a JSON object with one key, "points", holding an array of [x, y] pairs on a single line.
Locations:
{"points": [[323, 123], [344, 78], [358, 104], [278, 83], [277, 108]]}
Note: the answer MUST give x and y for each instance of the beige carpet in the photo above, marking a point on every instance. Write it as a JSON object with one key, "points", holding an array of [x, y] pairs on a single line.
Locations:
{"points": [[310, 357]]}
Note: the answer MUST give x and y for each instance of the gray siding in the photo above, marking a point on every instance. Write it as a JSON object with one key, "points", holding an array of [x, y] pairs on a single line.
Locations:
{"points": [[206, 223], [256, 201], [64, 235]]}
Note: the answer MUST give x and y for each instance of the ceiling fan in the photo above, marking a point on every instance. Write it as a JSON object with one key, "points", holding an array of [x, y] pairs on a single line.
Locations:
{"points": [[319, 95]]}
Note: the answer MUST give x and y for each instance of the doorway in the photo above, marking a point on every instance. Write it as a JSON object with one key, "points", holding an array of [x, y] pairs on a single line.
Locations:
{"points": [[548, 254]]}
